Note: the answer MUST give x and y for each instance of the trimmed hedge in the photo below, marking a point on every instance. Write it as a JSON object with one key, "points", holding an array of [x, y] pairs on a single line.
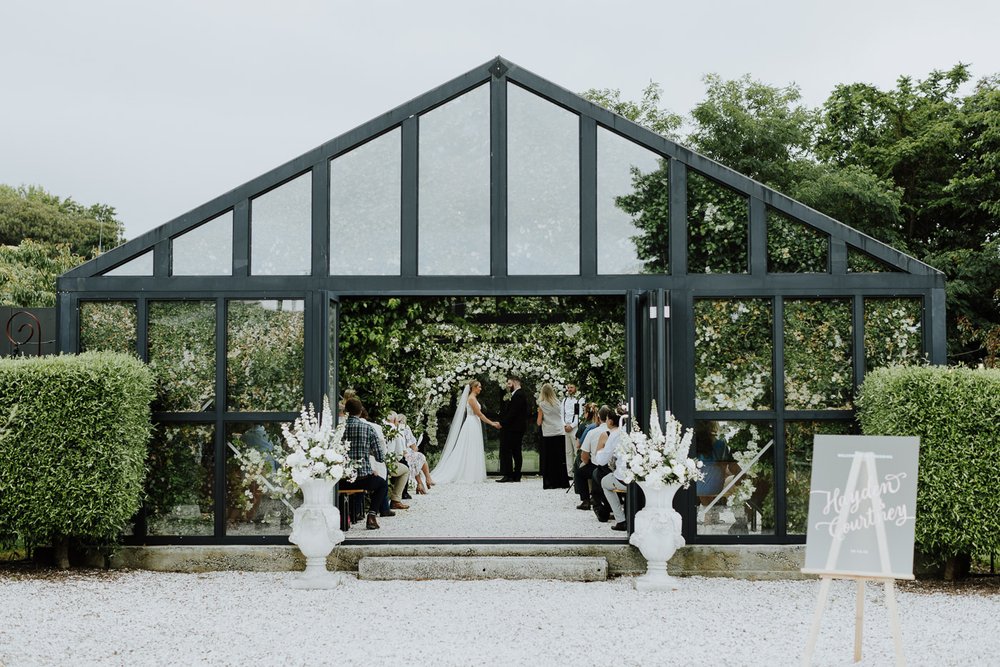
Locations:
{"points": [[956, 413], [73, 434]]}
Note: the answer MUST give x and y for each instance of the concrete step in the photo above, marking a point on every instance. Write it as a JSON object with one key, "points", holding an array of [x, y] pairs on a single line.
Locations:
{"points": [[562, 568]]}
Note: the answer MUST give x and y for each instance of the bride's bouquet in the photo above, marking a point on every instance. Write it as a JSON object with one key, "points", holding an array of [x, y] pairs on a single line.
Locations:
{"points": [[316, 450], [661, 457]]}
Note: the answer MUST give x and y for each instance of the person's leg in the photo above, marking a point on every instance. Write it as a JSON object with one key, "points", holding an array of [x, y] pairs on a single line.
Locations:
{"points": [[506, 455], [597, 500], [570, 446], [517, 456], [379, 491], [399, 483], [609, 484], [581, 482]]}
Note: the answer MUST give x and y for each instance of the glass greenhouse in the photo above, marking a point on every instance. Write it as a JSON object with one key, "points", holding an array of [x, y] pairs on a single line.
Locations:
{"points": [[750, 316]]}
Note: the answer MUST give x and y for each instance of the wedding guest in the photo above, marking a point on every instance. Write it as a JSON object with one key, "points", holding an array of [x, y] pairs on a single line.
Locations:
{"points": [[608, 455], [416, 461], [364, 444], [400, 474], [589, 420], [582, 480], [552, 460], [571, 408]]}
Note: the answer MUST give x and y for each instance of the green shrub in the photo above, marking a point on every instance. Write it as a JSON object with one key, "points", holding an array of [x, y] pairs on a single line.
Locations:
{"points": [[73, 433], [956, 413]]}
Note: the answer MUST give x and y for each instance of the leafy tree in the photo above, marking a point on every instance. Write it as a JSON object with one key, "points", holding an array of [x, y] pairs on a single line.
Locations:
{"points": [[28, 273], [646, 112], [915, 167], [43, 236], [32, 213], [759, 130]]}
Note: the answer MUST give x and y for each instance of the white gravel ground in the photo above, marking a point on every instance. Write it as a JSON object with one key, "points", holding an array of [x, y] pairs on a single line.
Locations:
{"points": [[237, 618], [490, 509]]}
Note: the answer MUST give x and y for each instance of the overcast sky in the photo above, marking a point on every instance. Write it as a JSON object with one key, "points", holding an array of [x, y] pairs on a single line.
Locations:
{"points": [[157, 107]]}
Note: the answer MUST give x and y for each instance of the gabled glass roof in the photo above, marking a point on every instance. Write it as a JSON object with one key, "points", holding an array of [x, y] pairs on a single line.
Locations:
{"points": [[498, 173]]}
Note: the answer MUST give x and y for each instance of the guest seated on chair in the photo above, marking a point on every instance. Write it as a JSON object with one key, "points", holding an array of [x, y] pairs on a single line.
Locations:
{"points": [[608, 455], [364, 443], [582, 480], [415, 459]]}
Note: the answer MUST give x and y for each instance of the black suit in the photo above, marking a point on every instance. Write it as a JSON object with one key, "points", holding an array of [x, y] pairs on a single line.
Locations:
{"points": [[513, 424]]}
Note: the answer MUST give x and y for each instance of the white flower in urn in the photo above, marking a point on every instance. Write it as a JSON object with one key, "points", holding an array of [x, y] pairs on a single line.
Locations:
{"points": [[313, 444], [661, 457]]}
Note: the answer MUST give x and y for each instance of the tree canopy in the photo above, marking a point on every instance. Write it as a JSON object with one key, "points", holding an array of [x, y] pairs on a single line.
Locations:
{"points": [[915, 166], [42, 236]]}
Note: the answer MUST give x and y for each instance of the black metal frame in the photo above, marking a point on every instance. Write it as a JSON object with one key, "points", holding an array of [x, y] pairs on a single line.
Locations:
{"points": [[660, 354]]}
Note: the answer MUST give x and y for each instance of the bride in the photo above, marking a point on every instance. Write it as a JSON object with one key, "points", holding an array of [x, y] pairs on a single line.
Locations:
{"points": [[464, 458]]}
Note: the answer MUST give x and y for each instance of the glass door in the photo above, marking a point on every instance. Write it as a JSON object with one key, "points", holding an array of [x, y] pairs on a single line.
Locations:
{"points": [[647, 368]]}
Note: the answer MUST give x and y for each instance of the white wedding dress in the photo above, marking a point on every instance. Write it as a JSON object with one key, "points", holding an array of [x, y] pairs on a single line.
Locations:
{"points": [[463, 460]]}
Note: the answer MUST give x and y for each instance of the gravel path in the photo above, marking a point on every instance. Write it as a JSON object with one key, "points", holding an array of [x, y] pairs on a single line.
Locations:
{"points": [[237, 618], [491, 510]]}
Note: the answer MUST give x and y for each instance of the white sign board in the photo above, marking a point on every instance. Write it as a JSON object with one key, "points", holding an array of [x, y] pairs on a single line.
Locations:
{"points": [[862, 506]]}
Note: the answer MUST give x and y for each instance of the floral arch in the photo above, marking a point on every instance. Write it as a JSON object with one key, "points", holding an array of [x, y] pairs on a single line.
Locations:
{"points": [[494, 363]]}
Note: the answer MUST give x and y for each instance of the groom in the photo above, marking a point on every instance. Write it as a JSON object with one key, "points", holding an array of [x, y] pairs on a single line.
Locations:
{"points": [[512, 426]]}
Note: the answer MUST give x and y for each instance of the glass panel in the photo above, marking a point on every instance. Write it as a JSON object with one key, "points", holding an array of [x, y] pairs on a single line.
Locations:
{"points": [[798, 467], [265, 360], [365, 208], [861, 262], [733, 350], [281, 229], [140, 266], [718, 226], [181, 464], [893, 332], [818, 349], [543, 186], [206, 250], [182, 354], [454, 237], [108, 325], [737, 495], [632, 207], [255, 498], [794, 247]]}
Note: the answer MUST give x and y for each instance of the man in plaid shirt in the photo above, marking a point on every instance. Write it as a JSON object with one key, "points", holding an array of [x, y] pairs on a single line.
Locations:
{"points": [[364, 442]]}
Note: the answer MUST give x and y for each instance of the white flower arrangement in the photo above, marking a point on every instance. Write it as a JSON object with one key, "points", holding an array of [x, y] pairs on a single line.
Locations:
{"points": [[316, 450], [660, 458]]}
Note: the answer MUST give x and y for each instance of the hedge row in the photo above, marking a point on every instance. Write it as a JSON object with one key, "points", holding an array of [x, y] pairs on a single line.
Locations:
{"points": [[956, 413], [73, 434]]}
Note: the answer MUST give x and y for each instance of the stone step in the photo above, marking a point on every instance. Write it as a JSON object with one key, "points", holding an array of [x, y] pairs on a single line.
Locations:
{"points": [[562, 568]]}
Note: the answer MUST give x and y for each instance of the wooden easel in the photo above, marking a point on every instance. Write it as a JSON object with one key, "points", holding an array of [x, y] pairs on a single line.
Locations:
{"points": [[828, 574]]}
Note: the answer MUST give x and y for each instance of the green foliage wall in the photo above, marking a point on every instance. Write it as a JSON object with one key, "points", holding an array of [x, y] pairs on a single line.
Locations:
{"points": [[73, 433], [956, 414]]}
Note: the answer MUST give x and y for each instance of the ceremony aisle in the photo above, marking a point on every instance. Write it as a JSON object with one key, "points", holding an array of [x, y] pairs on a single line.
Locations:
{"points": [[490, 509]]}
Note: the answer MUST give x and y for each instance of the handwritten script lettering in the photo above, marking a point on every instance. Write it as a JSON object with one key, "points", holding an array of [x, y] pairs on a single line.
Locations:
{"points": [[835, 502]]}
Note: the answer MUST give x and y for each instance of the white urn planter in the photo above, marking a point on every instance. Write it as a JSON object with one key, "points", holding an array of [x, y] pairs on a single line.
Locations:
{"points": [[657, 535], [316, 530]]}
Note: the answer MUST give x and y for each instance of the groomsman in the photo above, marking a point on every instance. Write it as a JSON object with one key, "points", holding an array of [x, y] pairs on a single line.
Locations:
{"points": [[572, 408]]}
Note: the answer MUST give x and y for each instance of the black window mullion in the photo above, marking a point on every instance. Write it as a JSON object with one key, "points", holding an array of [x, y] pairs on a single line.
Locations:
{"points": [[778, 392], [221, 399], [588, 196], [498, 176], [409, 196]]}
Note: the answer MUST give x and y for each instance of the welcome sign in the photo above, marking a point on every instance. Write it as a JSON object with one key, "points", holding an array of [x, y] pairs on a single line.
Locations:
{"points": [[862, 506]]}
